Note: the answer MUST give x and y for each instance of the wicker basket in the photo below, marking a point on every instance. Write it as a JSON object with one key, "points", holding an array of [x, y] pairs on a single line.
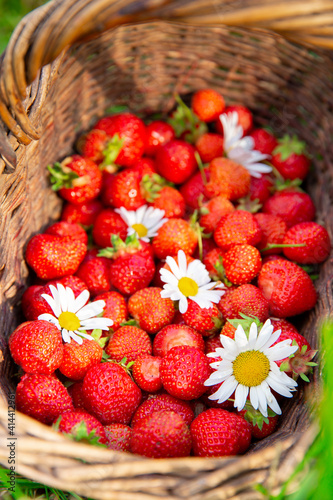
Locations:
{"points": [[57, 76]]}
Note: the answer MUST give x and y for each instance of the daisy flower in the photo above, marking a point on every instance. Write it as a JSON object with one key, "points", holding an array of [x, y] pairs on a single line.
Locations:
{"points": [[189, 281], [248, 367], [145, 221], [72, 316]]}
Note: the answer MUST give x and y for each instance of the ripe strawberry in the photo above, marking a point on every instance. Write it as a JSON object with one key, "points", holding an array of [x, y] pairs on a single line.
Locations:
{"points": [[82, 426], [207, 104], [292, 206], [290, 159], [132, 134], [95, 273], [37, 347], [71, 230], [160, 402], [107, 223], [92, 144], [176, 335], [171, 201], [124, 190], [53, 256], [283, 325], [236, 228], [211, 403], [245, 118], [273, 230], [315, 238], [83, 213], [264, 141], [42, 397], [287, 287], [77, 179], [158, 133], [176, 161], [184, 370], [174, 235], [217, 433], [227, 178], [246, 299], [212, 211], [193, 189], [146, 372], [242, 264], [145, 166], [75, 392], [163, 434], [118, 437], [161, 311], [213, 262], [78, 358], [128, 342], [261, 188], [209, 146], [110, 394], [115, 308], [204, 321], [260, 426], [301, 362]]}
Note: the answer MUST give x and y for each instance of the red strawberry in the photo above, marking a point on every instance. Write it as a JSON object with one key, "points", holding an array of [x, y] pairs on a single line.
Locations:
{"points": [[110, 394], [283, 325], [53, 256], [260, 426], [287, 287], [209, 146], [300, 362], [316, 241], [261, 188], [273, 229], [82, 426], [160, 402], [72, 230], [245, 118], [171, 201], [213, 262], [124, 190], [193, 189], [175, 234], [115, 308], [95, 273], [42, 397], [146, 372], [77, 179], [227, 178], [217, 433], [161, 311], [128, 342], [183, 372], [118, 437], [235, 228], [242, 264], [75, 392], [107, 223], [145, 166], [176, 161], [292, 206], [204, 321], [158, 133], [83, 213], [264, 141], [37, 347], [290, 159], [212, 211], [78, 358], [92, 144], [246, 299], [162, 434], [207, 104], [176, 335]]}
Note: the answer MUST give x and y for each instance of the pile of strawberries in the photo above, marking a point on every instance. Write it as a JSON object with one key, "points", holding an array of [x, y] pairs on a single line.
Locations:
{"points": [[199, 189]]}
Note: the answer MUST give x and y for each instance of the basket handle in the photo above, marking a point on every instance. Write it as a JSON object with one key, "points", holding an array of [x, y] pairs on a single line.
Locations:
{"points": [[46, 32]]}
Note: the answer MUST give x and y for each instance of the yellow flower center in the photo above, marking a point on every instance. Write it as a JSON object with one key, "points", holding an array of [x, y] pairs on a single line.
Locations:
{"points": [[251, 368], [188, 287], [140, 229], [69, 321]]}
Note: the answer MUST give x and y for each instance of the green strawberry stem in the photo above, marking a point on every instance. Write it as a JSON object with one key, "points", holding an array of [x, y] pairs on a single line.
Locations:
{"points": [[152, 185], [61, 176], [271, 246], [112, 150], [118, 245], [201, 167], [288, 145], [184, 121]]}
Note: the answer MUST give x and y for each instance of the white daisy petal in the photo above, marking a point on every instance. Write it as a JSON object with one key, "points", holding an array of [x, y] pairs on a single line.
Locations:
{"points": [[55, 305], [226, 389], [88, 311], [65, 336], [175, 271], [273, 338], [51, 319], [278, 352], [84, 334], [240, 396], [240, 336], [254, 397], [101, 323], [182, 262], [76, 337], [183, 305]]}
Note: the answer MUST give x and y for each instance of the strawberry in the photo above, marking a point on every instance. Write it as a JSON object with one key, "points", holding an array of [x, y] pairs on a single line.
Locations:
{"points": [[175, 234], [158, 133], [77, 179], [108, 222], [72, 230], [75, 392], [95, 273], [176, 335], [110, 394], [160, 402], [171, 201], [212, 211], [127, 138], [242, 264], [217, 433], [115, 308], [246, 299], [146, 372], [261, 188], [128, 342], [227, 178], [184, 370], [193, 189], [204, 321], [287, 287], [176, 161], [207, 104], [118, 437], [245, 118], [260, 426], [283, 325], [81, 426], [92, 144], [273, 229], [316, 241], [235, 228], [264, 141], [42, 397], [124, 190], [213, 262], [37, 347], [78, 358], [292, 206], [209, 146], [211, 403], [161, 311], [53, 256], [290, 159], [163, 434], [145, 166]]}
